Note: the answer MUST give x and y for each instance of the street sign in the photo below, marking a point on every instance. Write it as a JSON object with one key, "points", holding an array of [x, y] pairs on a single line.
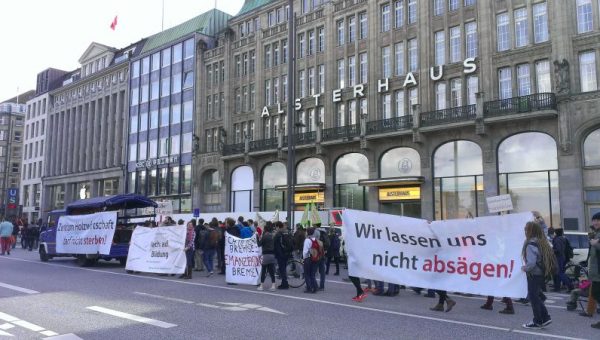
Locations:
{"points": [[12, 198], [499, 203], [196, 212]]}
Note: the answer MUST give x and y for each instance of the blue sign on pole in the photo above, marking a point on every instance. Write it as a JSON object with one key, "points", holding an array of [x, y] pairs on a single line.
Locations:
{"points": [[13, 198], [196, 212]]}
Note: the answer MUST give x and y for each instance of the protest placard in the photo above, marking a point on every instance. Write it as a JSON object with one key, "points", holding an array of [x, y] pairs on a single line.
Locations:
{"points": [[243, 259], [479, 256], [157, 250], [86, 234]]}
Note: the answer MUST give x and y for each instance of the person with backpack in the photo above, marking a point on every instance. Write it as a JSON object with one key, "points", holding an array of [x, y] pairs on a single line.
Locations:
{"points": [[312, 253], [324, 241], [284, 245], [333, 253], [563, 253], [539, 262], [267, 243], [198, 258], [211, 242]]}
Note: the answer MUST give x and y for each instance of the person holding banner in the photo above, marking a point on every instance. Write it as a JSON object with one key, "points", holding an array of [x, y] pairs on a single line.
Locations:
{"points": [[267, 243], [189, 249], [539, 263]]}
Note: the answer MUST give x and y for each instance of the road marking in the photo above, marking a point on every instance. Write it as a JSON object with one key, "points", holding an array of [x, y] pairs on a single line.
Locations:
{"points": [[69, 336], [416, 316], [165, 298], [6, 326], [3, 333], [132, 317], [49, 333], [18, 289], [29, 325], [7, 317]]}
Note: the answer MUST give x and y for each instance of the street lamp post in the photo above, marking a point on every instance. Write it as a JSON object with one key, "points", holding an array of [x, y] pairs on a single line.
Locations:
{"points": [[291, 168]]}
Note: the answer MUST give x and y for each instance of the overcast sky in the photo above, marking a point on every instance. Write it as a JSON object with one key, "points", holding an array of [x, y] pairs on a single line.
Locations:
{"points": [[38, 34]]}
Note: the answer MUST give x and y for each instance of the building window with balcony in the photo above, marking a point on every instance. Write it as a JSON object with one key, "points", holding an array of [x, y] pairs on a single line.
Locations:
{"points": [[438, 7], [400, 109], [472, 89], [363, 28], [505, 83], [351, 29], [351, 70], [502, 32], [301, 45], [523, 80], [268, 100], [413, 55], [521, 27], [363, 68], [585, 21], [385, 18], [413, 98], [399, 56], [471, 39], [238, 100], [267, 57], [341, 115], [386, 106], [340, 32], [455, 45], [341, 73], [321, 39], [386, 62], [311, 42], [542, 73], [540, 23], [302, 84], [412, 11], [440, 96], [456, 92], [458, 180], [587, 71], [440, 48]]}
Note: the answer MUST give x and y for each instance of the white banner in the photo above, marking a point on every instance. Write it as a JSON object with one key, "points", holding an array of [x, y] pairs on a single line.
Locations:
{"points": [[86, 234], [157, 250], [479, 256], [499, 203], [243, 259]]}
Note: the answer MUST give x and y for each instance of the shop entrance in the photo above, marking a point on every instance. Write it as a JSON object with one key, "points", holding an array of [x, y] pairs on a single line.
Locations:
{"points": [[407, 208]]}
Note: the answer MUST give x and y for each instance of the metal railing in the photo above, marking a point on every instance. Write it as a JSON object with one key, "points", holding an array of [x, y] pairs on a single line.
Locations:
{"points": [[389, 125], [233, 149], [263, 144], [451, 115], [530, 103], [340, 132]]}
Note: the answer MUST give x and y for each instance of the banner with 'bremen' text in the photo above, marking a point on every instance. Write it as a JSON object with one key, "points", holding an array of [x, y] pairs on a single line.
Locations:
{"points": [[157, 250], [86, 234], [479, 256], [243, 259]]}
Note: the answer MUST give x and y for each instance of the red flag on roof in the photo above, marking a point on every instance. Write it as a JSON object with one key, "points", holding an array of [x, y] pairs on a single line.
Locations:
{"points": [[113, 24]]}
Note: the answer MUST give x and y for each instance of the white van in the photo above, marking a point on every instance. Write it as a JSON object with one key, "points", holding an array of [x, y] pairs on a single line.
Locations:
{"points": [[580, 242]]}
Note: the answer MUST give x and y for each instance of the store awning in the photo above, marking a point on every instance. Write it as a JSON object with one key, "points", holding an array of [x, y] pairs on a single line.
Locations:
{"points": [[303, 187], [392, 181]]}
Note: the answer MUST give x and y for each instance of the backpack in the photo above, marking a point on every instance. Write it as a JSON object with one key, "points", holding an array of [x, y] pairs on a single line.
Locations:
{"points": [[287, 243], [213, 239], [568, 250], [316, 250], [540, 264]]}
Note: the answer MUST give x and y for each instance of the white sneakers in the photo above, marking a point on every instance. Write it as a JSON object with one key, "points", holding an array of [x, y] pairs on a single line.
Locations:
{"points": [[273, 288], [260, 287]]}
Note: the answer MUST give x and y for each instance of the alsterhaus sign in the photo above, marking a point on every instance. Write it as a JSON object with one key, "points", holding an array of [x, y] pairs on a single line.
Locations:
{"points": [[149, 163]]}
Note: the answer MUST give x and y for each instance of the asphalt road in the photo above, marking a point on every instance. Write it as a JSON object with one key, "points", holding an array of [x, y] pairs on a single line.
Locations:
{"points": [[59, 300]]}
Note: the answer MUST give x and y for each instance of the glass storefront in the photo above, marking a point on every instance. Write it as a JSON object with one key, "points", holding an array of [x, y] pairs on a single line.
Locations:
{"points": [[458, 180], [348, 170], [400, 200], [591, 164], [273, 174], [528, 171], [242, 185]]}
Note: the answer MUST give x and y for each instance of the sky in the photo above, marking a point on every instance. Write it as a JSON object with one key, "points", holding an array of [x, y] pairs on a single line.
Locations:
{"points": [[38, 34]]}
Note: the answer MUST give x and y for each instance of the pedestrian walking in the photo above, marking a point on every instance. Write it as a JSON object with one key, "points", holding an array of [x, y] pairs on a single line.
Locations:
{"points": [[283, 246], [539, 262], [443, 298], [267, 243], [312, 253], [360, 293], [190, 246], [333, 253], [559, 246], [6, 232]]}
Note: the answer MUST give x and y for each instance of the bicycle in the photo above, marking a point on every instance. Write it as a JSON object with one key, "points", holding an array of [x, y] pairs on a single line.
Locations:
{"points": [[295, 273]]}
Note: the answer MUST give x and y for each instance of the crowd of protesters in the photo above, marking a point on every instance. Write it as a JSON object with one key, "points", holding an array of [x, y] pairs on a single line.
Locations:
{"points": [[545, 254]]}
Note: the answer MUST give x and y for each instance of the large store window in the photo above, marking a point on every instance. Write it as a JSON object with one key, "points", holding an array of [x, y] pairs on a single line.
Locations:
{"points": [[458, 180], [273, 174], [310, 170], [211, 187], [242, 184], [400, 162], [348, 170], [528, 171], [591, 163]]}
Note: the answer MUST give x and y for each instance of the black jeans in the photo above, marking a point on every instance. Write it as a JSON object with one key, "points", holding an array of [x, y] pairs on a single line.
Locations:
{"points": [[443, 296], [534, 289], [336, 260], [356, 282], [321, 269], [267, 268], [282, 267]]}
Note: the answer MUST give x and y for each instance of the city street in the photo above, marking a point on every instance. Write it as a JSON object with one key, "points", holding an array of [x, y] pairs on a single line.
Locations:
{"points": [[59, 300]]}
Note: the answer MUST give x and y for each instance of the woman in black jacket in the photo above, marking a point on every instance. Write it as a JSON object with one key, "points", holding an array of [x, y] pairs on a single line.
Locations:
{"points": [[267, 243]]}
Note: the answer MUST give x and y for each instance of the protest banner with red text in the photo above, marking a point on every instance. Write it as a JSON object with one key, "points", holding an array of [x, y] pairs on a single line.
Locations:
{"points": [[243, 260], [86, 234], [478, 256]]}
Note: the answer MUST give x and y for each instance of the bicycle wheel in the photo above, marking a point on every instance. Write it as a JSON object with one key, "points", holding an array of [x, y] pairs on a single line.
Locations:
{"points": [[295, 273]]}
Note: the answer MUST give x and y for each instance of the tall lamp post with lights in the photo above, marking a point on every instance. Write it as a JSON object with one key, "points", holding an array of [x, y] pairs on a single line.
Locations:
{"points": [[291, 153]]}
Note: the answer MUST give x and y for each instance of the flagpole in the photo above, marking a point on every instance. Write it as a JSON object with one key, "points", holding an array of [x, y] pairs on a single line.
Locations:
{"points": [[162, 22]]}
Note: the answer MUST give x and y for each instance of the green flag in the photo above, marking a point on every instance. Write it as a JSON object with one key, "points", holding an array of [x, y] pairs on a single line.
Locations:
{"points": [[304, 221], [314, 214]]}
